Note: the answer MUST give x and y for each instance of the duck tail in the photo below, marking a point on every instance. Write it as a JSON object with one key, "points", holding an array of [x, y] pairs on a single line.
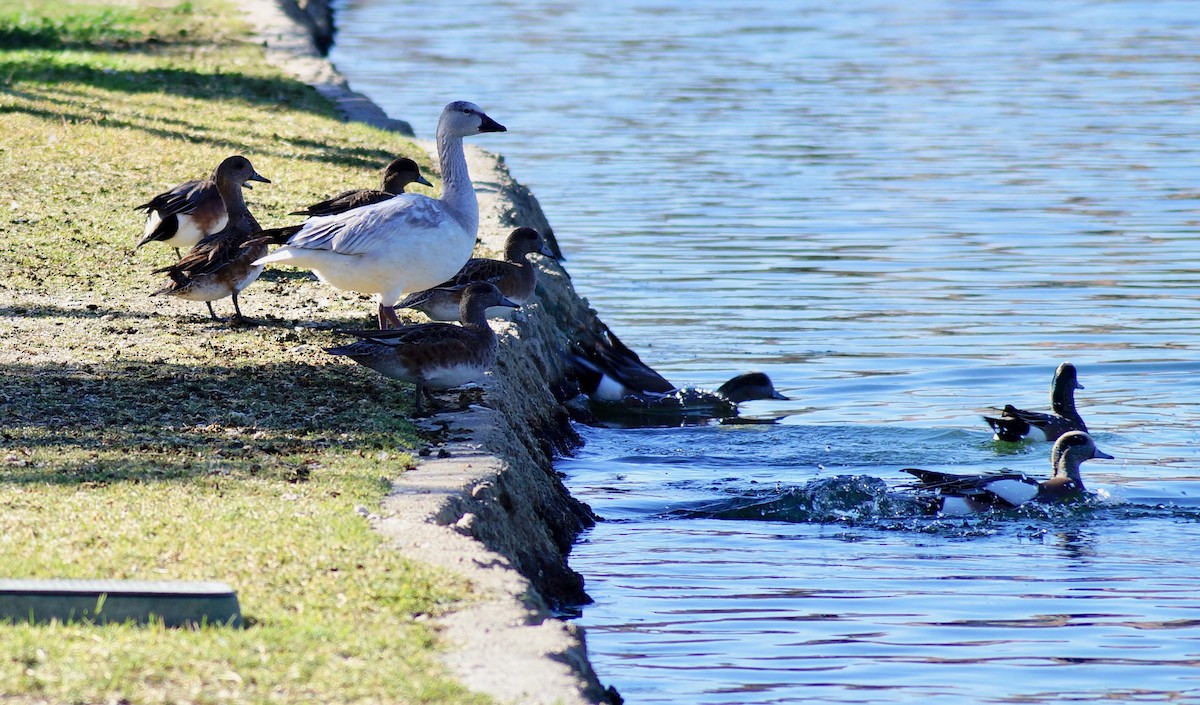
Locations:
{"points": [[1008, 426]]}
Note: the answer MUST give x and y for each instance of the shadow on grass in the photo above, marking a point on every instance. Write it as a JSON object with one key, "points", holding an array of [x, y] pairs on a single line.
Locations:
{"points": [[58, 72], [144, 421]]}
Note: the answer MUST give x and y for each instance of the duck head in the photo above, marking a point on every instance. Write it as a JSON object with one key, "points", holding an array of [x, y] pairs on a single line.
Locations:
{"points": [[748, 387]]}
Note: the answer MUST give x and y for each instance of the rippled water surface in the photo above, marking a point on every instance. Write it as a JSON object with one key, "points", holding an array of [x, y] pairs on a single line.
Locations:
{"points": [[904, 212]]}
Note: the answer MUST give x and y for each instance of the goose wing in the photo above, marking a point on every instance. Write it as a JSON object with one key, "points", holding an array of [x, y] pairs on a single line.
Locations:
{"points": [[361, 230]]}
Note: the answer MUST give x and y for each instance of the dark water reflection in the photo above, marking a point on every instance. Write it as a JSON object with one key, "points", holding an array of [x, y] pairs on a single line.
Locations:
{"points": [[904, 212]]}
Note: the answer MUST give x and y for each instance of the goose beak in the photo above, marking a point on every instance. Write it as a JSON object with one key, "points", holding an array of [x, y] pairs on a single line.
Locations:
{"points": [[490, 125]]}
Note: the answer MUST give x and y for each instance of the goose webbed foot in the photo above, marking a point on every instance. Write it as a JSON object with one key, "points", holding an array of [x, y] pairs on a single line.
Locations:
{"points": [[388, 318]]}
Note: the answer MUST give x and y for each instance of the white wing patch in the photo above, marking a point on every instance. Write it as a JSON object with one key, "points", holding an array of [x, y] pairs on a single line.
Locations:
{"points": [[1015, 492], [358, 231]]}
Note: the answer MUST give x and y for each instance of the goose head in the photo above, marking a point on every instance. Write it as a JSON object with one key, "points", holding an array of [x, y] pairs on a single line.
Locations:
{"points": [[462, 118], [237, 170], [1070, 451], [524, 241], [400, 173], [749, 386]]}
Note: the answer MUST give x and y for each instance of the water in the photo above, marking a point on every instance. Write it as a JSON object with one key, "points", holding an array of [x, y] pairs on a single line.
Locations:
{"points": [[904, 212]]}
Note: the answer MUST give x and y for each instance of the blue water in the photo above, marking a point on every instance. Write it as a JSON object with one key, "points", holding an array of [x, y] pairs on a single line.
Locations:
{"points": [[904, 212]]}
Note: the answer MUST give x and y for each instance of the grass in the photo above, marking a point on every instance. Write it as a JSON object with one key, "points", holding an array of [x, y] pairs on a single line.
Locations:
{"points": [[138, 438]]}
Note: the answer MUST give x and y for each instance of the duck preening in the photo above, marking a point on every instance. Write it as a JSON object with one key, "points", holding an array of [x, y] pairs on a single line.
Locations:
{"points": [[191, 211], [515, 276], [221, 265], [399, 173], [433, 355], [406, 243], [1015, 424], [958, 494]]}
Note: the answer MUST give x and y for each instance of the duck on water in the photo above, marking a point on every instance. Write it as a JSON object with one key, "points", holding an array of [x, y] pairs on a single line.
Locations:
{"points": [[962, 494]]}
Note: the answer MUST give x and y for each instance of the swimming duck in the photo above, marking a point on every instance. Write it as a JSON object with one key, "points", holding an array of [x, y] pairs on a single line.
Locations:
{"points": [[434, 355], [407, 243], [220, 265], [398, 174], [515, 276], [191, 211], [1015, 424], [610, 373], [967, 493]]}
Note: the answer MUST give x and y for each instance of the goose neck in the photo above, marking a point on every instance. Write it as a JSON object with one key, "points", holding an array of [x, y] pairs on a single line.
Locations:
{"points": [[458, 194]]}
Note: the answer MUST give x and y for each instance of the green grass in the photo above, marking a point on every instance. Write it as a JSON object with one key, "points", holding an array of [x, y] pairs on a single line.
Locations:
{"points": [[139, 439]]}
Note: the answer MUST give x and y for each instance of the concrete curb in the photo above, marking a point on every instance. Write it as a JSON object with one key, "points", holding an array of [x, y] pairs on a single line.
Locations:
{"points": [[492, 509]]}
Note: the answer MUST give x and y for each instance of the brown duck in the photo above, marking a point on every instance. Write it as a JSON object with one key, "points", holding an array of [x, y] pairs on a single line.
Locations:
{"points": [[434, 355], [399, 173], [219, 265]]}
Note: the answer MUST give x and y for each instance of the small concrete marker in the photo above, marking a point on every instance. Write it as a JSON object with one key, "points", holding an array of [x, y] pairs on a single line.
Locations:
{"points": [[177, 604]]}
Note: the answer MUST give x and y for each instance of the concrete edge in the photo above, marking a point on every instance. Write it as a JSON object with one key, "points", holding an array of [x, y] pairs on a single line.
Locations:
{"points": [[491, 508]]}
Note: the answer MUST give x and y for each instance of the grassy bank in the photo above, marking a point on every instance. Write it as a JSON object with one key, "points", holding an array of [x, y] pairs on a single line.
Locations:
{"points": [[138, 438]]}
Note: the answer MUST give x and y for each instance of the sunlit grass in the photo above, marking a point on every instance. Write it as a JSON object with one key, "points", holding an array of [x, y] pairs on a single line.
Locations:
{"points": [[139, 439]]}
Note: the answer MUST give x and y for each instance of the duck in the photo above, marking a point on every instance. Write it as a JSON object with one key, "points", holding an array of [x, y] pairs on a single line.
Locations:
{"points": [[961, 494], [407, 243], [515, 276], [433, 355], [221, 264], [399, 173], [1013, 424], [615, 379], [193, 210]]}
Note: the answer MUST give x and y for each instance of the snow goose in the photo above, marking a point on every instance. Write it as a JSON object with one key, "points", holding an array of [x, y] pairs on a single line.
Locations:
{"points": [[406, 243]]}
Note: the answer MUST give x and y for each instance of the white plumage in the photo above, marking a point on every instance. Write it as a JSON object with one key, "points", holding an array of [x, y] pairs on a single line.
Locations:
{"points": [[407, 243]]}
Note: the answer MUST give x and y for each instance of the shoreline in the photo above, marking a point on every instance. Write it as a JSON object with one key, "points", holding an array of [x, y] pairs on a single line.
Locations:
{"points": [[491, 509]]}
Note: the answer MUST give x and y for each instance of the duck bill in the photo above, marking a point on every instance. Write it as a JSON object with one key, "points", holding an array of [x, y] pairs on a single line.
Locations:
{"points": [[505, 301], [490, 125], [780, 397], [255, 177], [1101, 455], [422, 180]]}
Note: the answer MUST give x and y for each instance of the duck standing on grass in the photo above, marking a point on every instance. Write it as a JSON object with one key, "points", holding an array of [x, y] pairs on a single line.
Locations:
{"points": [[515, 276], [408, 242], [961, 494], [1015, 424], [221, 265], [189, 212], [399, 173], [434, 355]]}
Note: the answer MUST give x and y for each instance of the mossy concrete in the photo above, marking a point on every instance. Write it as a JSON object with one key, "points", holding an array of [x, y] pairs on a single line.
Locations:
{"points": [[491, 507]]}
